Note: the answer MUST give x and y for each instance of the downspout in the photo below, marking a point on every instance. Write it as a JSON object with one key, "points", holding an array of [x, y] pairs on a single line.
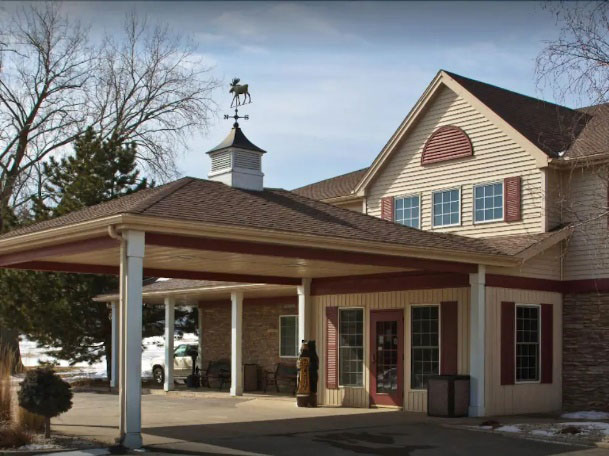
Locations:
{"points": [[114, 234]]}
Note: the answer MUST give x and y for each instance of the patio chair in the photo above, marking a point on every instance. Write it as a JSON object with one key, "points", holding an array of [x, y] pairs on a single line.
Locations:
{"points": [[217, 371], [283, 372]]}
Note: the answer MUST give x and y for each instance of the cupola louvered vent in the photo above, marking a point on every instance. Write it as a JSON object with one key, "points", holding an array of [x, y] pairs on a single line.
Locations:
{"points": [[221, 160], [247, 160]]}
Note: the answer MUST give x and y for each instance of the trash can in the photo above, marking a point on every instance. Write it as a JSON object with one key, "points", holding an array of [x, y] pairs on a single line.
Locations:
{"points": [[250, 377], [448, 395]]}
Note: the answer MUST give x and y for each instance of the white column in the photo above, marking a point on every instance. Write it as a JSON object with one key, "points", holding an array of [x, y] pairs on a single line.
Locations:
{"points": [[115, 344], [200, 358], [169, 333], [304, 311], [236, 378], [133, 267], [477, 341], [121, 338]]}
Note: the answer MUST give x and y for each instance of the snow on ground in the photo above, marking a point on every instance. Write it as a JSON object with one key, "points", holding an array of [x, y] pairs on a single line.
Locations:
{"points": [[587, 415], [590, 425], [154, 348], [543, 432], [509, 428]]}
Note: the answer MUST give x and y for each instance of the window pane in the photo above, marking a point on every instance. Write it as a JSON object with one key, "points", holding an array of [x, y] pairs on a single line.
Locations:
{"points": [[351, 347], [425, 348], [489, 202], [409, 216], [288, 335], [446, 209], [527, 343]]}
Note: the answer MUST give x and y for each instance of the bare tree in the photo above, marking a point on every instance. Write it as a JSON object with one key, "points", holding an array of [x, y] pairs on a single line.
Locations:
{"points": [[152, 89], [577, 62], [144, 86], [41, 93]]}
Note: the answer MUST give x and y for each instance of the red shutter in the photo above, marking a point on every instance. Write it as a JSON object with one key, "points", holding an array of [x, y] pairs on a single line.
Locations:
{"points": [[547, 342], [513, 197], [508, 333], [332, 348], [449, 337], [387, 208]]}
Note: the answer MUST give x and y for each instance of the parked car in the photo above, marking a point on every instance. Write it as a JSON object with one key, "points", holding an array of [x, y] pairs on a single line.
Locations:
{"points": [[182, 363]]}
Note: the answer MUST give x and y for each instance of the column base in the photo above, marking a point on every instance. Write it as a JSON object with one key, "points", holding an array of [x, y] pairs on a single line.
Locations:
{"points": [[235, 392], [132, 440], [476, 411]]}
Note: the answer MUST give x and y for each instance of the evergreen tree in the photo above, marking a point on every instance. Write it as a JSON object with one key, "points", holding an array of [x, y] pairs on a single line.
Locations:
{"points": [[56, 309]]}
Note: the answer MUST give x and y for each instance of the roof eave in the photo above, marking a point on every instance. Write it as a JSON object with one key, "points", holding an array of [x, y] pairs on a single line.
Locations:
{"points": [[196, 291]]}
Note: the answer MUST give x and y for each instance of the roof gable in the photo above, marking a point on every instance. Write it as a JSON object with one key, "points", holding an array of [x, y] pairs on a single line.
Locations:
{"points": [[537, 126]]}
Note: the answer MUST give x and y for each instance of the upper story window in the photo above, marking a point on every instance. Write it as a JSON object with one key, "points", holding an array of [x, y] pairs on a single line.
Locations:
{"points": [[527, 343], [488, 202], [408, 210], [447, 208], [288, 336]]}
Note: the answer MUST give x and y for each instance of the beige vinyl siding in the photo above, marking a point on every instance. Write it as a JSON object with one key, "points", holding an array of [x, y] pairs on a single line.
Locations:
{"points": [[520, 398], [357, 206], [546, 265], [587, 253], [359, 397], [554, 198], [496, 156]]}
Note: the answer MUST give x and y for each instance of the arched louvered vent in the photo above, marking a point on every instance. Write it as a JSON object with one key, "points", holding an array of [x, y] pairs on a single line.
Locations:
{"points": [[446, 143]]}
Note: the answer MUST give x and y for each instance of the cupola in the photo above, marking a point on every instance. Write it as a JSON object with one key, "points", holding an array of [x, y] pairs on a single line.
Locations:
{"points": [[237, 162]]}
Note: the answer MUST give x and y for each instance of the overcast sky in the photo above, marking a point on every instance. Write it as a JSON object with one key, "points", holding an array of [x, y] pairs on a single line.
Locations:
{"points": [[330, 82]]}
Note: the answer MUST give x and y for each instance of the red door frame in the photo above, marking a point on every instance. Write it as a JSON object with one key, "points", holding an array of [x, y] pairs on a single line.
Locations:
{"points": [[396, 399]]}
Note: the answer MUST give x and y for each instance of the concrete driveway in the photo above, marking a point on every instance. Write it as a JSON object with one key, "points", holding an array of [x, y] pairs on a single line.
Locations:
{"points": [[249, 425]]}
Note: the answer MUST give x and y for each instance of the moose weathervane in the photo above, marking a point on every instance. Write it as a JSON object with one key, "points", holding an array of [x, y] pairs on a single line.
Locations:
{"points": [[237, 90]]}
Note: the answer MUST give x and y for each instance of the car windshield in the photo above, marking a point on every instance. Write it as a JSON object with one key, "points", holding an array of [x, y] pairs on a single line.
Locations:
{"points": [[180, 351]]}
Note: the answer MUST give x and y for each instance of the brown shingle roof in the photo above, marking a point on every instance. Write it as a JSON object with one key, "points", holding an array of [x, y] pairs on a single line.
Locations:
{"points": [[199, 200], [549, 126], [594, 138], [516, 244], [334, 187]]}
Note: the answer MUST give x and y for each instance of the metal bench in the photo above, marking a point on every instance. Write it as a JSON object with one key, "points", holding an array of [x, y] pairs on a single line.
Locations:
{"points": [[217, 371], [283, 372]]}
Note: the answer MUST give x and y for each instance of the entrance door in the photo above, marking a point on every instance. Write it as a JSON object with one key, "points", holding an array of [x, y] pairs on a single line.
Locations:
{"points": [[386, 357]]}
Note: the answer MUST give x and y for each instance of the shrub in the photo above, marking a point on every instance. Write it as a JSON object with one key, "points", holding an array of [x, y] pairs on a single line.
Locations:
{"points": [[43, 392], [29, 421], [12, 436]]}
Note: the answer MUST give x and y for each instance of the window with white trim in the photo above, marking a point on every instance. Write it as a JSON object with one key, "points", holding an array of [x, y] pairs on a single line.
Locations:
{"points": [[527, 343], [351, 347], [407, 210], [488, 202], [446, 207], [288, 336], [425, 345]]}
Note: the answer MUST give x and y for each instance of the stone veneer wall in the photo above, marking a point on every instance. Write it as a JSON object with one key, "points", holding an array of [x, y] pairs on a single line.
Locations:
{"points": [[586, 351], [260, 332]]}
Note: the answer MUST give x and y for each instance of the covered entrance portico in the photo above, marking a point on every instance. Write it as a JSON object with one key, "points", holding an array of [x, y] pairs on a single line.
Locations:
{"points": [[201, 230]]}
